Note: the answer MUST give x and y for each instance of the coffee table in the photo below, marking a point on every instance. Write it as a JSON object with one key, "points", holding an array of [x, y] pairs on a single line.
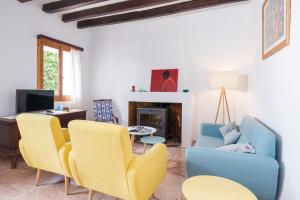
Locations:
{"points": [[140, 131], [215, 188]]}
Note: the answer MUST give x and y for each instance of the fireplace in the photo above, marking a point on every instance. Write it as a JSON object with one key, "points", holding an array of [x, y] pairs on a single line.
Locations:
{"points": [[165, 117], [182, 117]]}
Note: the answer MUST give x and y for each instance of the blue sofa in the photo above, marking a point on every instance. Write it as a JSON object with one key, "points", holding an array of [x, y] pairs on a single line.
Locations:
{"points": [[258, 172]]}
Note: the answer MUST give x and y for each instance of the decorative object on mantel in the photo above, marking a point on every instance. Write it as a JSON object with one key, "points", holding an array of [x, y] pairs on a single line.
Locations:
{"points": [[224, 79], [276, 19], [132, 88], [142, 90], [164, 80]]}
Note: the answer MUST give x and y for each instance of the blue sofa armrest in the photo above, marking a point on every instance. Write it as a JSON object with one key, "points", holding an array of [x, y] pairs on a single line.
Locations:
{"points": [[210, 129], [258, 173]]}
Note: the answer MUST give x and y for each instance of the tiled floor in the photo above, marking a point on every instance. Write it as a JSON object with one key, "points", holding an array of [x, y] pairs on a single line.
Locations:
{"points": [[18, 184]]}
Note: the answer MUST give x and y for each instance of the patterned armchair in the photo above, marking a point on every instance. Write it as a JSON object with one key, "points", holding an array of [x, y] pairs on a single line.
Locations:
{"points": [[103, 111]]}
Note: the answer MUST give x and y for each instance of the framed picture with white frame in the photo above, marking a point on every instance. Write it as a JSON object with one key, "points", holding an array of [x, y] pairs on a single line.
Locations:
{"points": [[276, 20]]}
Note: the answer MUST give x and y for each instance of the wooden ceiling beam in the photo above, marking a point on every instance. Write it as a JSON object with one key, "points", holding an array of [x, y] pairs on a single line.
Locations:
{"points": [[64, 5], [112, 9], [23, 1], [151, 13]]}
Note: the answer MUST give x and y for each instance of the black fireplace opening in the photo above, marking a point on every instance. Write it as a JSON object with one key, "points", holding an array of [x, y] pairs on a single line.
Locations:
{"points": [[154, 117]]}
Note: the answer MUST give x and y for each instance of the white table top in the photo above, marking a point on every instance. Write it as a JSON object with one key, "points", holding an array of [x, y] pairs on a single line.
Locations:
{"points": [[145, 131]]}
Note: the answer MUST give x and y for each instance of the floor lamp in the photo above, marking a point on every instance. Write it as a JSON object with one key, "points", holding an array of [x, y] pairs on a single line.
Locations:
{"points": [[223, 80]]}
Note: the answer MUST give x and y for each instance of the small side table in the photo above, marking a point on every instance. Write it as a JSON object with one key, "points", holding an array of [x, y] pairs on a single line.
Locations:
{"points": [[152, 140], [215, 188], [140, 131]]}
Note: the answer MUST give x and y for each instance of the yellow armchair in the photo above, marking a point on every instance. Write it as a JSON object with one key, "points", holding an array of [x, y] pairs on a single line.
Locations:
{"points": [[43, 145], [101, 160]]}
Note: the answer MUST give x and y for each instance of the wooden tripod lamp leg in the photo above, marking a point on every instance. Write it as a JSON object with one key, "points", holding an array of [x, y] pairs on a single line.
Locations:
{"points": [[226, 102], [223, 107], [220, 99]]}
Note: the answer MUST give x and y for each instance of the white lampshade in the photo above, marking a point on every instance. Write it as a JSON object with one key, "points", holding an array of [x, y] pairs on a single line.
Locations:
{"points": [[227, 79]]}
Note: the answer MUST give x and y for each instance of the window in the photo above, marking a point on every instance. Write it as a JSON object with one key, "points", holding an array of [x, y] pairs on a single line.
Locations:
{"points": [[54, 68]]}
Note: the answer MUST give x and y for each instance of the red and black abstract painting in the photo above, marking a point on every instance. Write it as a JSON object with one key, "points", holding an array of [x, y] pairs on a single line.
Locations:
{"points": [[164, 80]]}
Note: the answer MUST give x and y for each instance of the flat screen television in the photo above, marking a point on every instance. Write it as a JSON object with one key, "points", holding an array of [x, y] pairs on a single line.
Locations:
{"points": [[34, 100]]}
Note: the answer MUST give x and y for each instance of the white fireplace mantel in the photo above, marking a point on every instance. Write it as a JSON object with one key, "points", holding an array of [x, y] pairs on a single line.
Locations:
{"points": [[186, 99]]}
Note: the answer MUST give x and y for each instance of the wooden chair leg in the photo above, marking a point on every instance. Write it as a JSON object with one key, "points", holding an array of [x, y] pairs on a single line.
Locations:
{"points": [[38, 177], [67, 185], [91, 193]]}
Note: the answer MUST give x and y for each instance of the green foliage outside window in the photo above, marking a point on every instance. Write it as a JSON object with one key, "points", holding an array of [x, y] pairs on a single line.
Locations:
{"points": [[50, 75]]}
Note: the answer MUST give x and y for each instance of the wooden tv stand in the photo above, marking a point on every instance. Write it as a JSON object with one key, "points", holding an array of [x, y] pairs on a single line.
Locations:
{"points": [[10, 135]]}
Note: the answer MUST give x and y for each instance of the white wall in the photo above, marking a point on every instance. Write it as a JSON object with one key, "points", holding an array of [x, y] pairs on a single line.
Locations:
{"points": [[20, 24], [275, 86], [216, 38]]}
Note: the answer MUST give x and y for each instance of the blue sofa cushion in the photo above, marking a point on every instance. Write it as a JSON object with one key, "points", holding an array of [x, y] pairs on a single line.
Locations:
{"points": [[211, 130], [260, 137], [209, 142]]}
